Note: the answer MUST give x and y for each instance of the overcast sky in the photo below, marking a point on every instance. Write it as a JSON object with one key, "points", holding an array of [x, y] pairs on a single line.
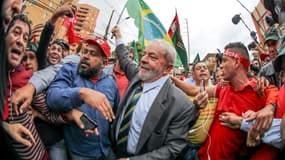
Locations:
{"points": [[209, 21]]}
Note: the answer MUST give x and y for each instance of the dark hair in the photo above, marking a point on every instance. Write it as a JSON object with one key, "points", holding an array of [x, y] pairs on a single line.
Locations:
{"points": [[255, 59], [194, 65], [20, 17], [239, 47], [60, 43]]}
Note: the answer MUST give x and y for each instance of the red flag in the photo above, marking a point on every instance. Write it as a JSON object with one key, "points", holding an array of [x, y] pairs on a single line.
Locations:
{"points": [[69, 23], [174, 33], [65, 22]]}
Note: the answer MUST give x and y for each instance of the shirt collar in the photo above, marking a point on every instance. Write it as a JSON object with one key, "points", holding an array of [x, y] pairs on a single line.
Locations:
{"points": [[158, 83], [251, 83]]}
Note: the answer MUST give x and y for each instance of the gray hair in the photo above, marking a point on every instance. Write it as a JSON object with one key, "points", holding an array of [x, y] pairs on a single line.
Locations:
{"points": [[168, 50]]}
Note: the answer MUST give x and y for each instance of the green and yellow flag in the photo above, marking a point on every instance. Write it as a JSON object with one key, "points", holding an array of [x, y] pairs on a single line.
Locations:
{"points": [[148, 24]]}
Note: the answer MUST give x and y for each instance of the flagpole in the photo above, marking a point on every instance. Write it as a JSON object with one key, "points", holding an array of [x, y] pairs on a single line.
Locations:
{"points": [[188, 39], [108, 26], [120, 16]]}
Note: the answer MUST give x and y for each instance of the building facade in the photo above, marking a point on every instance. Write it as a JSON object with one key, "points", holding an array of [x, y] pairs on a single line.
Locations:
{"points": [[86, 19], [258, 17], [40, 11]]}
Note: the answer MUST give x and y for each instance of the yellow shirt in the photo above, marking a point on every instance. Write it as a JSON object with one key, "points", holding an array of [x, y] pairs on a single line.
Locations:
{"points": [[199, 131]]}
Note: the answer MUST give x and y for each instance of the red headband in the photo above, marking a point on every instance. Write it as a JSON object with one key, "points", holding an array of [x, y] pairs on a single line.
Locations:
{"points": [[235, 54]]}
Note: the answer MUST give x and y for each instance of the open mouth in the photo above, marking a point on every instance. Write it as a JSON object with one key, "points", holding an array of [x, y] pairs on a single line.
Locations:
{"points": [[29, 68], [203, 75], [54, 58], [16, 54], [84, 65], [144, 68], [16, 51]]}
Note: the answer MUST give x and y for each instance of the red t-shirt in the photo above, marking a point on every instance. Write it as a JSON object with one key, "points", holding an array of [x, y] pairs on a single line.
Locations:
{"points": [[225, 143], [122, 82]]}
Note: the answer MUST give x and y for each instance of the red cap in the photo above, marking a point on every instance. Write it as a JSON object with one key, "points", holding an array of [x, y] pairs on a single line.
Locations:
{"points": [[103, 44]]}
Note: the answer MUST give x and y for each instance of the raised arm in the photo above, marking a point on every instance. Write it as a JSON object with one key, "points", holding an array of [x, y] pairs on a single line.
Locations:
{"points": [[127, 65], [191, 89], [47, 32]]}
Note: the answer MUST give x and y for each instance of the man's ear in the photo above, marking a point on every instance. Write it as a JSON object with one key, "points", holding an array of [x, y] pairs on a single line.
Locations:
{"points": [[168, 68], [237, 63]]}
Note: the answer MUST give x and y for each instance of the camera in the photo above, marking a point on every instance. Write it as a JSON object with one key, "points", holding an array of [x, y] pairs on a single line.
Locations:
{"points": [[251, 46], [254, 68]]}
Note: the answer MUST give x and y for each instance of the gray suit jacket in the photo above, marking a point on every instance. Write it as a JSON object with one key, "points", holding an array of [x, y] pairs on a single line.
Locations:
{"points": [[165, 128]]}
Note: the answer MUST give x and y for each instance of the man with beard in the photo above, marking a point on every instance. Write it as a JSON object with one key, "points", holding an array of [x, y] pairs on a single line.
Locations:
{"points": [[69, 90], [151, 123], [41, 79]]}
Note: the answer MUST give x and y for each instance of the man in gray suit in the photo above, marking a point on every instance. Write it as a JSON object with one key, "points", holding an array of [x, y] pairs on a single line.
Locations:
{"points": [[163, 114]]}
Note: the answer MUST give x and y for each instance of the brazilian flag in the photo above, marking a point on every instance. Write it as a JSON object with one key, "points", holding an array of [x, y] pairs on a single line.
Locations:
{"points": [[148, 24]]}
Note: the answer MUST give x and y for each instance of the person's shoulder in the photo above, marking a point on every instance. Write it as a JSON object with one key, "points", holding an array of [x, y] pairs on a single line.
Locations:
{"points": [[108, 79], [69, 67], [109, 69], [267, 69], [72, 58], [178, 94], [180, 102]]}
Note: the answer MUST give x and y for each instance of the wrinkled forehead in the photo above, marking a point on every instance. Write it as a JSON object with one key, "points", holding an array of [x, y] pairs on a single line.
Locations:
{"points": [[56, 45], [24, 27], [200, 64], [152, 51]]}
